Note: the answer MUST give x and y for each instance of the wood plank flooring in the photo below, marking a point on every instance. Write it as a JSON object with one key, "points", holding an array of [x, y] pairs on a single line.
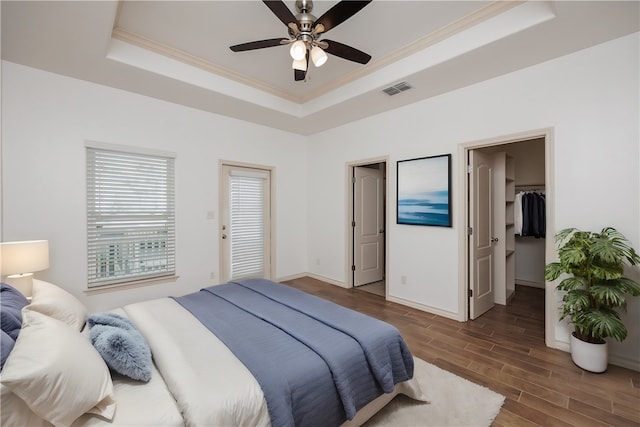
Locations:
{"points": [[504, 350]]}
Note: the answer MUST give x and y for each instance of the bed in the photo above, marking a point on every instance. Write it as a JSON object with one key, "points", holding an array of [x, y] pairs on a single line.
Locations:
{"points": [[217, 357]]}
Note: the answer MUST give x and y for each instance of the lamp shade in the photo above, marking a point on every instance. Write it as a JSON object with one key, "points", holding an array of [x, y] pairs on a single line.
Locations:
{"points": [[23, 257], [299, 65], [318, 56], [298, 50]]}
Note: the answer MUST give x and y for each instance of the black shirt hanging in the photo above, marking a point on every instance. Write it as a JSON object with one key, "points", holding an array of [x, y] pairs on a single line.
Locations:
{"points": [[533, 215]]}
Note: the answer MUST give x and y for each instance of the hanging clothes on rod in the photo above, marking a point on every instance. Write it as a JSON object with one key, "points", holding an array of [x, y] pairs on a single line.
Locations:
{"points": [[530, 213]]}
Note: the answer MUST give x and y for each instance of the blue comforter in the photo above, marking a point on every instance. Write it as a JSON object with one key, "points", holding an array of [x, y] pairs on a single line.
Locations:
{"points": [[316, 362]]}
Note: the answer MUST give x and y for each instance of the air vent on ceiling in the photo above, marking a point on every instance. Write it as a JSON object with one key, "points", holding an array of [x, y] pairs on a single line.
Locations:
{"points": [[397, 88]]}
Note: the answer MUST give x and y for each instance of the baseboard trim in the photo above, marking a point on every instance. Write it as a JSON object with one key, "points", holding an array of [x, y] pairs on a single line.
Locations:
{"points": [[291, 277], [427, 308], [313, 276], [529, 283], [624, 362], [328, 280]]}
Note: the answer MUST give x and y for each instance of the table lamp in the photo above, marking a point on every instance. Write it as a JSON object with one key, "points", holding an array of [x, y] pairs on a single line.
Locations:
{"points": [[19, 260]]}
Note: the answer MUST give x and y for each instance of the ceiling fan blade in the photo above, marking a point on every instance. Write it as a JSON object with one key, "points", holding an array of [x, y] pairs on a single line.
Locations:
{"points": [[338, 14], [281, 11], [346, 52], [260, 44], [299, 75]]}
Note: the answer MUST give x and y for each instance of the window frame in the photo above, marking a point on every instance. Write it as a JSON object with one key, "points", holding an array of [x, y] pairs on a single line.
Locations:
{"points": [[142, 266]]}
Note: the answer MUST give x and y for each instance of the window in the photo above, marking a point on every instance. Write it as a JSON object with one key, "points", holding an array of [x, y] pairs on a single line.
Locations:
{"points": [[130, 215]]}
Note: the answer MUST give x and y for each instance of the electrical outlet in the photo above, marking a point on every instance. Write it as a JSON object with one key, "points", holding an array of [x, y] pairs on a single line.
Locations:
{"points": [[403, 280]]}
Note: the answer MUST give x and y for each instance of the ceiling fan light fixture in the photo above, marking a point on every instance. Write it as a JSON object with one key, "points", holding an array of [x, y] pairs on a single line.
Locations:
{"points": [[304, 33], [318, 56], [299, 64], [298, 50]]}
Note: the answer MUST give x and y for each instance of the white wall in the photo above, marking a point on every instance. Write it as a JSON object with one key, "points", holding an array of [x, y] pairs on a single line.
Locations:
{"points": [[47, 119], [590, 98]]}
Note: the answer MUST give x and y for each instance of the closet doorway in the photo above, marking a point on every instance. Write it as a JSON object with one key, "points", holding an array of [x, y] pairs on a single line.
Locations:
{"points": [[498, 259], [366, 242]]}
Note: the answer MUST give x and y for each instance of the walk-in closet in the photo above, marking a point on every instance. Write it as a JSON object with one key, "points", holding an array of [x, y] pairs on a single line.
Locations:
{"points": [[519, 216]]}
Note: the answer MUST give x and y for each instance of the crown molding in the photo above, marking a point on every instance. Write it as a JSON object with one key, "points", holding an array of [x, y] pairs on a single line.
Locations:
{"points": [[179, 55]]}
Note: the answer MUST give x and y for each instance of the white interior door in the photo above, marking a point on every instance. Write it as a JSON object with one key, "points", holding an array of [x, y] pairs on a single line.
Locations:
{"points": [[368, 229], [481, 237], [246, 223]]}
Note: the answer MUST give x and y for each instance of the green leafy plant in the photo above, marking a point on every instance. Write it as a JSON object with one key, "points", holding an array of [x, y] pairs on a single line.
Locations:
{"points": [[596, 289]]}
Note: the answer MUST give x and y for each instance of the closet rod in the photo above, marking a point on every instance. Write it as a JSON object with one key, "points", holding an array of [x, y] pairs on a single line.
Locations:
{"points": [[529, 187]]}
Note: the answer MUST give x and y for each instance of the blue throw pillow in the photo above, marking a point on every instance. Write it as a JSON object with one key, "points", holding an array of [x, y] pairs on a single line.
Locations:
{"points": [[11, 303], [6, 345], [110, 319], [121, 346]]}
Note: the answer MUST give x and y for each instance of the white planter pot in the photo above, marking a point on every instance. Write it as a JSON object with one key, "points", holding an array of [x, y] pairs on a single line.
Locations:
{"points": [[588, 356]]}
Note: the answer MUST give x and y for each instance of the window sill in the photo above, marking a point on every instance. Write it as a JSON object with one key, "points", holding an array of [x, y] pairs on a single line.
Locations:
{"points": [[130, 285]]}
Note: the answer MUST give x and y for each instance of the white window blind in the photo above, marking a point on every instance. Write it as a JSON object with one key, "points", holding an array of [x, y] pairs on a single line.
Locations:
{"points": [[247, 219], [130, 216]]}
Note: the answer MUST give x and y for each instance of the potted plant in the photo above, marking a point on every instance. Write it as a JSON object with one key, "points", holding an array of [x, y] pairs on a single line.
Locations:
{"points": [[595, 290]]}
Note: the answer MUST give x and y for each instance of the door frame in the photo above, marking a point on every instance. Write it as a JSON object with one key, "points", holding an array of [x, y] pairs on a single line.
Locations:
{"points": [[272, 212], [349, 249], [551, 312]]}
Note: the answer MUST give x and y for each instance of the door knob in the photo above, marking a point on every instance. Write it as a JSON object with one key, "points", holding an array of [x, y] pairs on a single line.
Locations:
{"points": [[224, 236], [494, 239]]}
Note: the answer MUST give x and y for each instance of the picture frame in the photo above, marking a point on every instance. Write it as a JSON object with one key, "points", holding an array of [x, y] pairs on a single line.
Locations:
{"points": [[424, 191]]}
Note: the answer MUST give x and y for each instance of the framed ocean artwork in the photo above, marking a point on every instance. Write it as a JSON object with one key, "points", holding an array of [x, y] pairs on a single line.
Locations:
{"points": [[424, 191]]}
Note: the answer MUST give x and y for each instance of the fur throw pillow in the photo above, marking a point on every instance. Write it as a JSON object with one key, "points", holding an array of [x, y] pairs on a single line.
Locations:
{"points": [[121, 345]]}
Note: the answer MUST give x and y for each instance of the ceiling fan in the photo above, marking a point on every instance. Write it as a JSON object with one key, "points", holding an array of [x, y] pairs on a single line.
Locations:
{"points": [[305, 31]]}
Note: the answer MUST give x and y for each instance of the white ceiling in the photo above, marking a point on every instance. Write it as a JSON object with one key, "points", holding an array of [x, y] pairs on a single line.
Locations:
{"points": [[178, 51]]}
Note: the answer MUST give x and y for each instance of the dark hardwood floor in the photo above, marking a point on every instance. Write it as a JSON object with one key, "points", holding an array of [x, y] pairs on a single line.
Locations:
{"points": [[504, 350]]}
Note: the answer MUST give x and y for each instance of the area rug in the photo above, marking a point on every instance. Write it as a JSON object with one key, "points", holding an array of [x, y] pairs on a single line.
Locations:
{"points": [[454, 401]]}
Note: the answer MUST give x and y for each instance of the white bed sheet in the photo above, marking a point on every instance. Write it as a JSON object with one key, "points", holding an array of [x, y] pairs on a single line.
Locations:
{"points": [[212, 387], [138, 404]]}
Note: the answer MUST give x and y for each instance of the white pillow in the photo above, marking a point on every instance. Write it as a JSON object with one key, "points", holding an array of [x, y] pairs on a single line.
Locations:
{"points": [[57, 372], [55, 302], [16, 413]]}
